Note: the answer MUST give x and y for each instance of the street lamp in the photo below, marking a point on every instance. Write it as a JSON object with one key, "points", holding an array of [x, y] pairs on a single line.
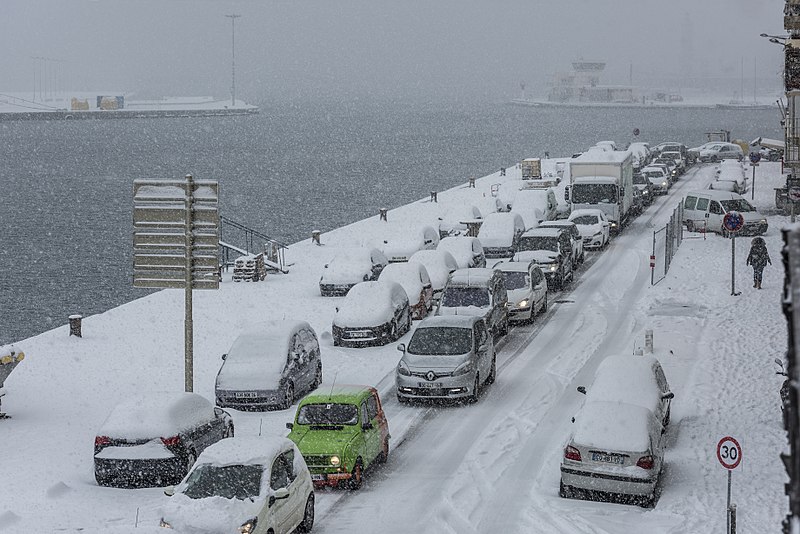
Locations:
{"points": [[233, 18]]}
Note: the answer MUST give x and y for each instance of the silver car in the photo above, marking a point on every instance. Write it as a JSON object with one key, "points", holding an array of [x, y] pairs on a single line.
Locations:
{"points": [[448, 357]]}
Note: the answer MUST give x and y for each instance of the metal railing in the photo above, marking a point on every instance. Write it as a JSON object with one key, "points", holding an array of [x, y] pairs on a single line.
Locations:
{"points": [[235, 237], [666, 241]]}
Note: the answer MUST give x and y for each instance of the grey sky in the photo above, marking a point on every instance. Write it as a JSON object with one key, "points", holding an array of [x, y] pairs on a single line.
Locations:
{"points": [[450, 48]]}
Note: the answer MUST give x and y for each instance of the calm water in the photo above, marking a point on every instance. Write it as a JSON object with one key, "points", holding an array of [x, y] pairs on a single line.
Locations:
{"points": [[66, 212]]}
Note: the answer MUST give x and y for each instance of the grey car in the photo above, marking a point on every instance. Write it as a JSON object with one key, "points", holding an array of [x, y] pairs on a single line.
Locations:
{"points": [[268, 365], [448, 357]]}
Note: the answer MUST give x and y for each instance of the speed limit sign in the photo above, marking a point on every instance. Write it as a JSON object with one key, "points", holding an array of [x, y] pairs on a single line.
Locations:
{"points": [[729, 452]]}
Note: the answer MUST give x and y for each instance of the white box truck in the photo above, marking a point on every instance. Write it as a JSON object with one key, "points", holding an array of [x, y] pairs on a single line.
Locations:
{"points": [[603, 180]]}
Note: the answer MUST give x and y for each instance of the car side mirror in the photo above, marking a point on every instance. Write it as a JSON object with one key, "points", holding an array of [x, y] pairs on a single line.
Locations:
{"points": [[367, 426], [668, 395], [582, 389], [224, 356], [169, 491], [280, 494], [401, 347], [290, 426]]}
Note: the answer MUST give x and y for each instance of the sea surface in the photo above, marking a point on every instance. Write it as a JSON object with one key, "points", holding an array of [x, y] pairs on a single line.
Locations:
{"points": [[66, 210]]}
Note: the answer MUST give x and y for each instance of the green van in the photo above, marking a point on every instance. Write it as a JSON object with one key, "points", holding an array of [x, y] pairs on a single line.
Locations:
{"points": [[341, 432]]}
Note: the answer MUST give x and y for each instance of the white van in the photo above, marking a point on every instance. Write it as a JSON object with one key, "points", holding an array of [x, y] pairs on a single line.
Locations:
{"points": [[704, 210]]}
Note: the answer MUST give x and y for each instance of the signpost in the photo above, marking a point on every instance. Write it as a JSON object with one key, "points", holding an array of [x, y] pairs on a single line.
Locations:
{"points": [[176, 243], [755, 157], [733, 221], [729, 454]]}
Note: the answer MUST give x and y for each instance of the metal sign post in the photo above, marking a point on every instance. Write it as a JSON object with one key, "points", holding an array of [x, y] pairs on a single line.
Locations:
{"points": [[176, 243], [732, 222], [755, 157], [729, 454]]}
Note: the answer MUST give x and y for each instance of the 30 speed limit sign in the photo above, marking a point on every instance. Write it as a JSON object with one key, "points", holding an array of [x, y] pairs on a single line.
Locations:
{"points": [[729, 452]]}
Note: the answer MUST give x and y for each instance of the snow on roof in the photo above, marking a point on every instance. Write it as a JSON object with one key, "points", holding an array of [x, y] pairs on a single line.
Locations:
{"points": [[452, 321], [245, 450], [627, 378], [471, 277], [412, 276], [461, 248], [601, 156], [438, 264], [158, 414], [613, 427], [369, 304]]}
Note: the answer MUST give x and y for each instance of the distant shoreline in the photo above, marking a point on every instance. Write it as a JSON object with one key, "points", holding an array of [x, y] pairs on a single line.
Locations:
{"points": [[652, 104]]}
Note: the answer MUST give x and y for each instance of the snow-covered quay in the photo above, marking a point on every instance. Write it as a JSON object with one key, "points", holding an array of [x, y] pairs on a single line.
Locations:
{"points": [[488, 467]]}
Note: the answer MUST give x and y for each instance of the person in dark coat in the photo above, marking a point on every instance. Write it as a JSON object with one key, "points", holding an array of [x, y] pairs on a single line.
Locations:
{"points": [[758, 258]]}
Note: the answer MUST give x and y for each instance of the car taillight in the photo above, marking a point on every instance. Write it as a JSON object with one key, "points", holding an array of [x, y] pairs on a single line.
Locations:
{"points": [[571, 453], [174, 440], [645, 462], [102, 441]]}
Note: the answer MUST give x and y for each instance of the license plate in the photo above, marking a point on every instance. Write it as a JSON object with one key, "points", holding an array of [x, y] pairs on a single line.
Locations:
{"points": [[608, 458], [430, 385], [320, 478], [246, 394], [358, 334]]}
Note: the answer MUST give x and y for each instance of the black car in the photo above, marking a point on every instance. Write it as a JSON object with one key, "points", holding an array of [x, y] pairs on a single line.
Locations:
{"points": [[551, 248], [155, 440]]}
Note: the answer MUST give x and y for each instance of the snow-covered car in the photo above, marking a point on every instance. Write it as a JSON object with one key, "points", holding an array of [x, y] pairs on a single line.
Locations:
{"points": [[616, 448], [722, 151], [551, 248], [439, 264], [479, 292], [644, 185], [154, 439], [670, 169], [448, 357], [578, 255], [535, 205], [349, 267], [415, 280], [268, 365], [705, 211], [372, 313], [467, 251], [634, 379], [499, 234], [593, 226], [403, 243], [640, 153], [245, 484], [732, 172], [658, 177], [454, 221], [526, 287]]}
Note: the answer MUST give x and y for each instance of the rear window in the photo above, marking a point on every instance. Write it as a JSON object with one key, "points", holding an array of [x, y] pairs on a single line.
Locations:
{"points": [[441, 340], [466, 296]]}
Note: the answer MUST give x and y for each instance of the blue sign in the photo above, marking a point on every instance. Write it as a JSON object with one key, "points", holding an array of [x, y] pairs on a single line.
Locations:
{"points": [[755, 157], [733, 221]]}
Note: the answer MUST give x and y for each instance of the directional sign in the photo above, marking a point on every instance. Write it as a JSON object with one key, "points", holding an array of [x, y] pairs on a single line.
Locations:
{"points": [[733, 221], [729, 452]]}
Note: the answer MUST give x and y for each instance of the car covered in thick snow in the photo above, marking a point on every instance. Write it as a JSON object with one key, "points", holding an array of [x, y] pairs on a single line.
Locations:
{"points": [[257, 485], [526, 286], [372, 313], [551, 248], [499, 234], [415, 280], [467, 251], [439, 264], [448, 357], [268, 365], [593, 225], [154, 439], [479, 292], [349, 267], [405, 241], [535, 205], [454, 221], [341, 433]]}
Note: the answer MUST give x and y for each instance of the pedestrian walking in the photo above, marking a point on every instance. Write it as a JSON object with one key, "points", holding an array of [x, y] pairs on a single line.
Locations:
{"points": [[758, 258]]}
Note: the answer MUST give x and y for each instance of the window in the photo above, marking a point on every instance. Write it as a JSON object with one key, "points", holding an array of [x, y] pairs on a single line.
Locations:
{"points": [[372, 407], [690, 203], [702, 204], [364, 413], [279, 477], [715, 208]]}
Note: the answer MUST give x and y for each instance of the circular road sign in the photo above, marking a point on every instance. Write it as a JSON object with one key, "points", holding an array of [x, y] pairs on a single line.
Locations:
{"points": [[729, 452], [733, 221], [755, 157], [794, 194], [636, 131]]}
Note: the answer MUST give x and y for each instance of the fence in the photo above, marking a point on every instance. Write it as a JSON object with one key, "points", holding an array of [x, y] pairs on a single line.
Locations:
{"points": [[665, 243]]}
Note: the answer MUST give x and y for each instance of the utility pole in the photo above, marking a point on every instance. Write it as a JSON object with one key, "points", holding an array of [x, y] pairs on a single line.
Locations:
{"points": [[233, 18]]}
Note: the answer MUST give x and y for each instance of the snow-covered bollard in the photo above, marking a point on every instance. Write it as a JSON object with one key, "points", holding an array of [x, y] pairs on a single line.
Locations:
{"points": [[472, 181], [315, 237], [648, 341], [384, 212], [434, 196], [75, 325]]}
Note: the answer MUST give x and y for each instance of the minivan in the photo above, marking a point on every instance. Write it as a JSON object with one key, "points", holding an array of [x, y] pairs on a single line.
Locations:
{"points": [[704, 211], [480, 292]]}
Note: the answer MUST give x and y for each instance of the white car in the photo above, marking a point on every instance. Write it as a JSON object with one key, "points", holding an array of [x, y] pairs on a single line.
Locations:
{"points": [[500, 233], [439, 264], [467, 251], [415, 280], [349, 267], [722, 151], [454, 221], [658, 177], [593, 226], [244, 484], [526, 287], [535, 205], [406, 241], [372, 313]]}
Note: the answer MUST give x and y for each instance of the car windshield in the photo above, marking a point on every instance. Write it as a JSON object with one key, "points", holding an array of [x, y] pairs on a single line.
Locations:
{"points": [[465, 296], [515, 280], [328, 414], [441, 340], [594, 194], [738, 204], [228, 481], [539, 243], [585, 220], [654, 174]]}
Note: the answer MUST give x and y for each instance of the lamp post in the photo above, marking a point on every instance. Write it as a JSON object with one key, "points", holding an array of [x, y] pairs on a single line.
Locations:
{"points": [[233, 18]]}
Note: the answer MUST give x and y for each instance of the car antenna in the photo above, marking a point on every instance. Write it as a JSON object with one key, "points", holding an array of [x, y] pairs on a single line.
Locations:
{"points": [[330, 393]]}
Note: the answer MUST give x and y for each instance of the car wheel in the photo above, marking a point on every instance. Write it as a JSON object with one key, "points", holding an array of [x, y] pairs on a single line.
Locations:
{"points": [[308, 515], [228, 431], [358, 476], [648, 501], [476, 389], [288, 396], [689, 226], [492, 371], [336, 341], [504, 328], [318, 378]]}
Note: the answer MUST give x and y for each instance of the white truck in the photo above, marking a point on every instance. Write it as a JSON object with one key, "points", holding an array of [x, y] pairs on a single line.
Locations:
{"points": [[603, 180]]}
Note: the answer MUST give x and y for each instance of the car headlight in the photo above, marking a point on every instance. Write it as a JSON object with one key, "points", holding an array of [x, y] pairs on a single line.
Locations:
{"points": [[463, 369], [335, 461], [523, 303], [763, 221], [645, 192], [248, 526], [402, 369], [366, 278], [164, 524], [553, 267]]}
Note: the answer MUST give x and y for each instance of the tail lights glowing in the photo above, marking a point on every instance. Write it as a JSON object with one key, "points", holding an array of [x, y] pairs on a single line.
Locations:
{"points": [[571, 453], [645, 462], [102, 441], [174, 440]]}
